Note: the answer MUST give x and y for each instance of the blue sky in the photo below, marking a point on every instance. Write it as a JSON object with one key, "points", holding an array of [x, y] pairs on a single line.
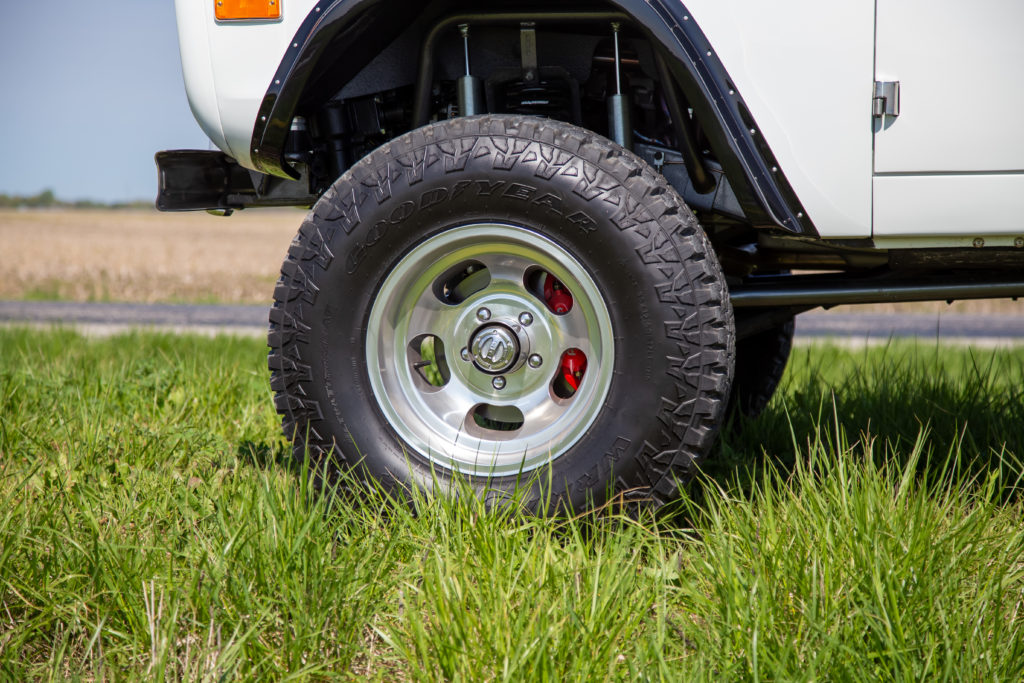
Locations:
{"points": [[90, 91]]}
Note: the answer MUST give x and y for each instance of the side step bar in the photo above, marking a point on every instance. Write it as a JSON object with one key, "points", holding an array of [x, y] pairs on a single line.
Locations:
{"points": [[809, 291]]}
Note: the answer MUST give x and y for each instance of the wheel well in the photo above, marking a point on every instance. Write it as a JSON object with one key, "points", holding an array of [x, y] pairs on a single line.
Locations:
{"points": [[560, 65], [352, 70]]}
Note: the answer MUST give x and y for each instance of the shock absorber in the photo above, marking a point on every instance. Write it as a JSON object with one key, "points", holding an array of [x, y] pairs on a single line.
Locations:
{"points": [[619, 128], [470, 90]]}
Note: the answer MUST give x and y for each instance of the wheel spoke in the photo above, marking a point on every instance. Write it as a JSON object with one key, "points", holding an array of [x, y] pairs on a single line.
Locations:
{"points": [[574, 332], [451, 403], [431, 316], [506, 269], [540, 409]]}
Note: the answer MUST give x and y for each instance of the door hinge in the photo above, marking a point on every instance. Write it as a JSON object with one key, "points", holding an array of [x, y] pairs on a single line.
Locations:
{"points": [[886, 101]]}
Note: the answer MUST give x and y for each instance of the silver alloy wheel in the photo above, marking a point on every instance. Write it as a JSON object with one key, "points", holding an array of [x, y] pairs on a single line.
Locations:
{"points": [[438, 421]]}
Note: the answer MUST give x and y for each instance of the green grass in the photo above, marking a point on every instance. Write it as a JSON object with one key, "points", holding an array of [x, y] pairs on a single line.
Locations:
{"points": [[152, 527]]}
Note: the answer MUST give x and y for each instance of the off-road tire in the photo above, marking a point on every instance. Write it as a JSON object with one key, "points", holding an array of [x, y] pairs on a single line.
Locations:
{"points": [[629, 230], [760, 363]]}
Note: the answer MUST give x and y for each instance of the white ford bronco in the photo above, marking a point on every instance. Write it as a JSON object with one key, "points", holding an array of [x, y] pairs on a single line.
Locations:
{"points": [[554, 246]]}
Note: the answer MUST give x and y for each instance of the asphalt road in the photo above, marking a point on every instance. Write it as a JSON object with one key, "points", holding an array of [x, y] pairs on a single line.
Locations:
{"points": [[109, 318]]}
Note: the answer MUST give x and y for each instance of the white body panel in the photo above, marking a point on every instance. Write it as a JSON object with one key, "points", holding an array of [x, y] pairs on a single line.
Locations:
{"points": [[804, 69], [960, 89], [228, 67], [948, 205], [951, 163]]}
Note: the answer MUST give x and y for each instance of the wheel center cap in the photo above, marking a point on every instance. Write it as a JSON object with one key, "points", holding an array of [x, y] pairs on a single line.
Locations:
{"points": [[495, 348]]}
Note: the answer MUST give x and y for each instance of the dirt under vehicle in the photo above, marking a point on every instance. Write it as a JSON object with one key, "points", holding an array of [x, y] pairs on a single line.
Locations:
{"points": [[557, 242]]}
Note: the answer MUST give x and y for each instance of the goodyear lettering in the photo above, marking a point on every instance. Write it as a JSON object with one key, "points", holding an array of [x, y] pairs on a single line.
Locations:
{"points": [[431, 197], [519, 191]]}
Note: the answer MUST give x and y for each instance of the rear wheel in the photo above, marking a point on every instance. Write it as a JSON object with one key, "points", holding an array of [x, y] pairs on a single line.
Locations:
{"points": [[760, 363], [512, 299]]}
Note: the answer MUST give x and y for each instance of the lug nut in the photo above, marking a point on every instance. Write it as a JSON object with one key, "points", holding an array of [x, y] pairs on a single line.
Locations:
{"points": [[535, 360], [483, 314], [525, 319], [465, 355], [498, 383]]}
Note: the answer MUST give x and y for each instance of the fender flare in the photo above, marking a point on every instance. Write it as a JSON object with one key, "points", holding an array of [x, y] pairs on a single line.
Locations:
{"points": [[366, 26]]}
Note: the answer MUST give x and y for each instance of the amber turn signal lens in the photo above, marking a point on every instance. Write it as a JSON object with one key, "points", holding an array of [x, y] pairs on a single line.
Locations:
{"points": [[247, 9]]}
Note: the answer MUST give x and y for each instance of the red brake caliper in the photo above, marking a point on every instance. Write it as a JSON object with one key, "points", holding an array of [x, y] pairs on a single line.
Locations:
{"points": [[573, 363], [556, 296], [571, 370]]}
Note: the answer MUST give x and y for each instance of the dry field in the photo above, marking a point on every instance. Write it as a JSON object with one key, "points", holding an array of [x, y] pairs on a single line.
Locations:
{"points": [[95, 255], [147, 256]]}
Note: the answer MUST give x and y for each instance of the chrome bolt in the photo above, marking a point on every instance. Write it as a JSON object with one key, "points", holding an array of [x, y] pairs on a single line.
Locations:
{"points": [[535, 360], [498, 383], [979, 242], [465, 355], [1018, 242], [483, 314], [525, 319]]}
